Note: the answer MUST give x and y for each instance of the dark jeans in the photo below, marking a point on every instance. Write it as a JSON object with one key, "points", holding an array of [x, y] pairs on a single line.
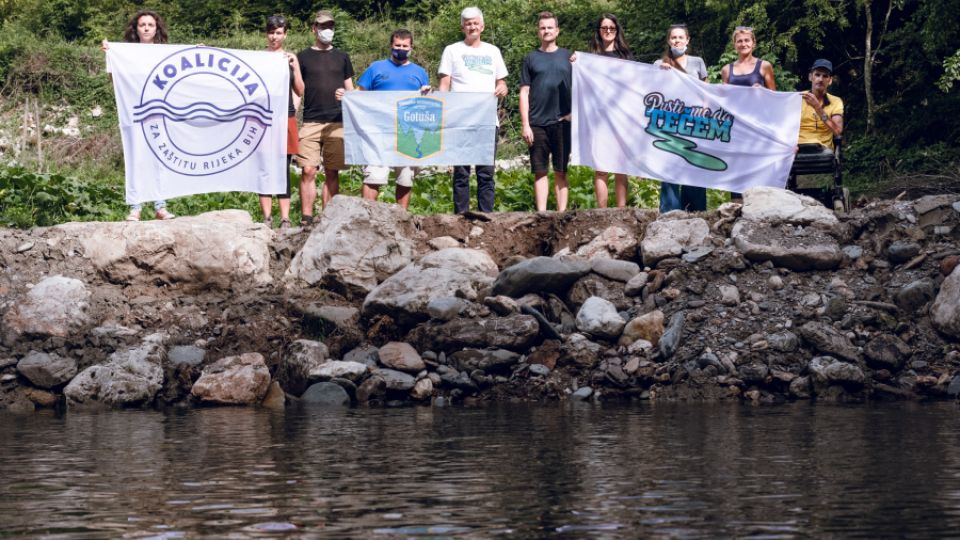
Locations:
{"points": [[461, 188], [677, 197]]}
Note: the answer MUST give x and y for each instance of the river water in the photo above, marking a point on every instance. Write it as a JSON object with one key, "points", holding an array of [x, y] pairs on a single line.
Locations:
{"points": [[511, 471]]}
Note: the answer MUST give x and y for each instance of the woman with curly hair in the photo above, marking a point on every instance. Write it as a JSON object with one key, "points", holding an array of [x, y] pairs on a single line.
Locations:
{"points": [[145, 27]]}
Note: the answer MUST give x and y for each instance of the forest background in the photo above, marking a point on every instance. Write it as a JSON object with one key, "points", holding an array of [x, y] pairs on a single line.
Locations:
{"points": [[896, 66]]}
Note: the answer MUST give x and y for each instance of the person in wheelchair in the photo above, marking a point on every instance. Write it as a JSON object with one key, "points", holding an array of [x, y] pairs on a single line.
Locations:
{"points": [[818, 147], [821, 114]]}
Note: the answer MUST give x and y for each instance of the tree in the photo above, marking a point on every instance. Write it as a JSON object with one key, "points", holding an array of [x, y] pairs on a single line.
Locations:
{"points": [[870, 53], [951, 72]]}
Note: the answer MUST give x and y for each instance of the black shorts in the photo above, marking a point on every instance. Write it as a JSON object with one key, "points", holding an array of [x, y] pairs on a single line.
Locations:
{"points": [[551, 141]]}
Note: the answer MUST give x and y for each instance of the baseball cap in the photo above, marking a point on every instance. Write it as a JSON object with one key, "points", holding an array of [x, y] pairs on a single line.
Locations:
{"points": [[323, 16], [822, 63]]}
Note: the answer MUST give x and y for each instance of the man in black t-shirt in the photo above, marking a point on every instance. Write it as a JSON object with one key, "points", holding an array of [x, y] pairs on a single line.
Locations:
{"points": [[327, 73], [545, 83]]}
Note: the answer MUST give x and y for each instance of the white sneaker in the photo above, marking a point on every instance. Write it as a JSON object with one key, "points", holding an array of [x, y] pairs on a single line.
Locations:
{"points": [[163, 213], [134, 215]]}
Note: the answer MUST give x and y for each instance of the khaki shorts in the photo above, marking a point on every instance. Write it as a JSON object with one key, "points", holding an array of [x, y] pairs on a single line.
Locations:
{"points": [[321, 143], [377, 175]]}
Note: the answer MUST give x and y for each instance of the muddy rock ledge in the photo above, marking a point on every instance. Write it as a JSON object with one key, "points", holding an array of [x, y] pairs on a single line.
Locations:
{"points": [[776, 300]]}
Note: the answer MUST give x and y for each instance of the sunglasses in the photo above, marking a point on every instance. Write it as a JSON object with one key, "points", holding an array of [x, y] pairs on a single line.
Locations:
{"points": [[743, 29], [608, 28]]}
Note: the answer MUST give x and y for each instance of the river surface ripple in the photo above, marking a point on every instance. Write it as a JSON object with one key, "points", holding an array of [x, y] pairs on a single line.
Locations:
{"points": [[512, 471]]}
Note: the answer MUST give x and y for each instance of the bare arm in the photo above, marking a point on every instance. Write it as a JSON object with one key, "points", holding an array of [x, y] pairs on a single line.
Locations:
{"points": [[298, 85], [766, 69], [525, 115], [444, 85], [347, 87], [501, 88], [725, 74]]}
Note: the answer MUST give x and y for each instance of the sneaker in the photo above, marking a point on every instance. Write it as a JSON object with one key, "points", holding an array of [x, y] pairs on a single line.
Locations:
{"points": [[268, 221], [163, 213], [134, 215], [284, 224]]}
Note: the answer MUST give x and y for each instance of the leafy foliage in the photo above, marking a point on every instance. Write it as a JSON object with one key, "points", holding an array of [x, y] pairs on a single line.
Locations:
{"points": [[49, 51]]}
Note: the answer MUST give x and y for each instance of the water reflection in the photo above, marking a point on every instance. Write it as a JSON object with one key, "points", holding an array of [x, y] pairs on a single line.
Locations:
{"points": [[661, 470]]}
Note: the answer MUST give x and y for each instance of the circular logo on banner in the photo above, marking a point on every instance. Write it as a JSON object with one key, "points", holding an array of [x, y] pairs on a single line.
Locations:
{"points": [[203, 111]]}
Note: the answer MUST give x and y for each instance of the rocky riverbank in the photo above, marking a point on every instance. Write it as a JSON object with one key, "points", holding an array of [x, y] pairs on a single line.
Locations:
{"points": [[778, 299]]}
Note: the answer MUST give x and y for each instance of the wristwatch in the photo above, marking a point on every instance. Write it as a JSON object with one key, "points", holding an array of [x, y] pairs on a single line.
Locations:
{"points": [[824, 117]]}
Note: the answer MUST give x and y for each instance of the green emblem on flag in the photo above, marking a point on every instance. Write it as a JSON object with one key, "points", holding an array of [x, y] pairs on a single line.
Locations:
{"points": [[419, 127]]}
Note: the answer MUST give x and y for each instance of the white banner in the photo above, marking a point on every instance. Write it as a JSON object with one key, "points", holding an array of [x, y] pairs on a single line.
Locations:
{"points": [[405, 128], [200, 119], [645, 121]]}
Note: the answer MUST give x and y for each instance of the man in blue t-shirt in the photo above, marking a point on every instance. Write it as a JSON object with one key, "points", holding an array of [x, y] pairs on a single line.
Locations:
{"points": [[396, 73]]}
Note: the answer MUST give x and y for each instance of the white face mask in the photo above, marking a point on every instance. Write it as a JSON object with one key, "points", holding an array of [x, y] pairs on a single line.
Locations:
{"points": [[325, 35]]}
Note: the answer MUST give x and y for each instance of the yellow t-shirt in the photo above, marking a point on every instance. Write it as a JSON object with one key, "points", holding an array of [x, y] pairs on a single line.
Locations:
{"points": [[812, 128]]}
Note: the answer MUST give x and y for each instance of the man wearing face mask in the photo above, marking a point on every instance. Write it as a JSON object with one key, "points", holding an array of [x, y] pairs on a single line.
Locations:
{"points": [[327, 73], [396, 73]]}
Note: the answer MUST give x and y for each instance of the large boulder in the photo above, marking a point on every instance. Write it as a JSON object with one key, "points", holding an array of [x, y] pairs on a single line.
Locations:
{"points": [[304, 357], [47, 370], [887, 352], [827, 339], [514, 332], [945, 311], [56, 306], [777, 205], [233, 380], [339, 369], [494, 361], [358, 244], [796, 248], [613, 243], [826, 370], [401, 357], [599, 318], [539, 275], [672, 237], [451, 272], [615, 269], [326, 394], [221, 249], [648, 327], [130, 378]]}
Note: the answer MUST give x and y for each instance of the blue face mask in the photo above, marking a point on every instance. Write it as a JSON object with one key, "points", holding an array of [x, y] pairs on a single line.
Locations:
{"points": [[400, 55], [678, 52]]}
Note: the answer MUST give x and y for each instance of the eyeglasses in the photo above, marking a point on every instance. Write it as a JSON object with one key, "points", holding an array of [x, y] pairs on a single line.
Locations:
{"points": [[608, 28]]}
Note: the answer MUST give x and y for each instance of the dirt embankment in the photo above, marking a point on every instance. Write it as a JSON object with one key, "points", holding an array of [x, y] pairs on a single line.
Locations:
{"points": [[776, 300]]}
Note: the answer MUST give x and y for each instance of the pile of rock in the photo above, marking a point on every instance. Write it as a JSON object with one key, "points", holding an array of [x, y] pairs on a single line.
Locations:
{"points": [[777, 299]]}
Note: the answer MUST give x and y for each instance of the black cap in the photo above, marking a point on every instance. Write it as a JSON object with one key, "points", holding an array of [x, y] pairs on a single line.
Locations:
{"points": [[822, 63]]}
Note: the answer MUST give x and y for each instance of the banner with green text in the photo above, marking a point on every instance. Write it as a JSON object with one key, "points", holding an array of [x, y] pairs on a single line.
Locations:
{"points": [[646, 121]]}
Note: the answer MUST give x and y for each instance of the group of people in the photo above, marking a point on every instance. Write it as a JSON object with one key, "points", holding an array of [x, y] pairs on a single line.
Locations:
{"points": [[320, 75]]}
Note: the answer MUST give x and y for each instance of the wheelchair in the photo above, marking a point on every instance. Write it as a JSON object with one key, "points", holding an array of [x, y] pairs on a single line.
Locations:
{"points": [[817, 159]]}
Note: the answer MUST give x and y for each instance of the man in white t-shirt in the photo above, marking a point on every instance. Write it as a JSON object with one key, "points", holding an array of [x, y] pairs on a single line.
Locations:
{"points": [[472, 66]]}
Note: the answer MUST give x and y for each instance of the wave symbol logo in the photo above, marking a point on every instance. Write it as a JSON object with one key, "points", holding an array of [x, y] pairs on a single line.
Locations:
{"points": [[203, 111]]}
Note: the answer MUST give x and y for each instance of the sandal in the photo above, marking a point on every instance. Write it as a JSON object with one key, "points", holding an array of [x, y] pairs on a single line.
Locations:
{"points": [[284, 224], [268, 221]]}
